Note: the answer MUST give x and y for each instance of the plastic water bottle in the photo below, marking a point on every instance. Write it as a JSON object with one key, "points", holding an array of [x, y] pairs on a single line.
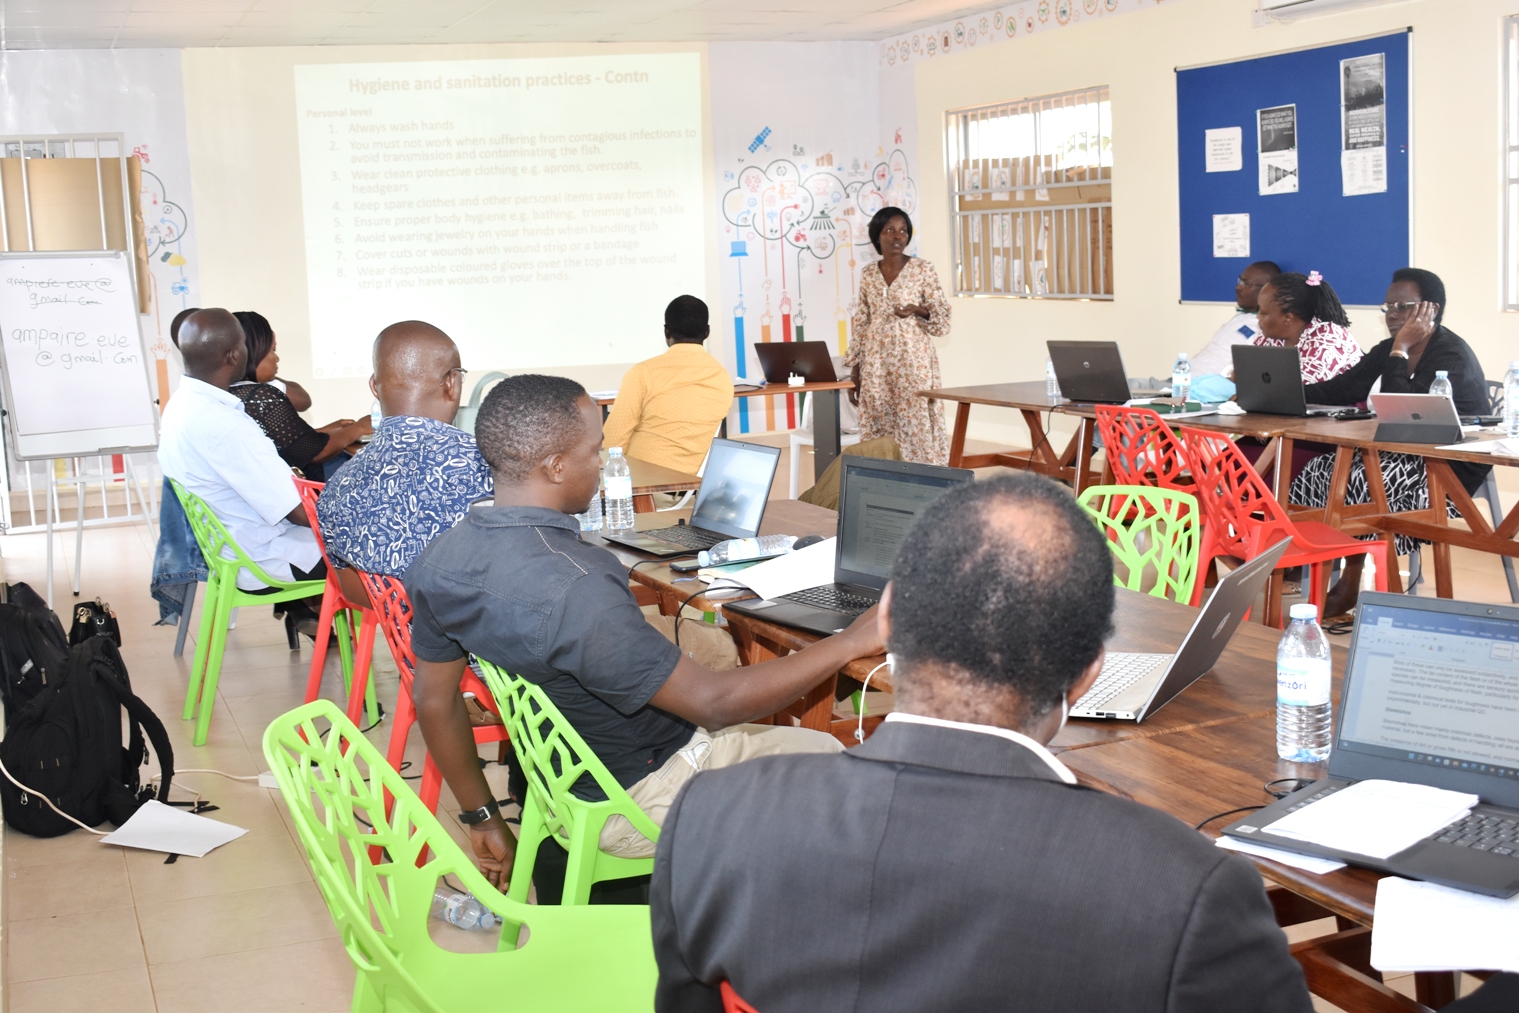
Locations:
{"points": [[590, 520], [1511, 399], [376, 413], [462, 910], [1441, 386], [618, 482], [736, 550], [1181, 378], [1051, 383], [1303, 725]]}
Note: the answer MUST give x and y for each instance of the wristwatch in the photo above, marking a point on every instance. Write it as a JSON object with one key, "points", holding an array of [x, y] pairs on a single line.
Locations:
{"points": [[480, 815], [1401, 355]]}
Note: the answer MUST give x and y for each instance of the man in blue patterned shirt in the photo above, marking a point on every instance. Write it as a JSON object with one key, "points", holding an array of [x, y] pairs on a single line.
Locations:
{"points": [[418, 475]]}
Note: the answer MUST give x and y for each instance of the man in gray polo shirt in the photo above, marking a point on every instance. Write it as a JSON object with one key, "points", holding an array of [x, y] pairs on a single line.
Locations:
{"points": [[513, 583]]}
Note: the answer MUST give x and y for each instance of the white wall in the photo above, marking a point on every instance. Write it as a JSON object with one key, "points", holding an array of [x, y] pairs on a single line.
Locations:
{"points": [[1456, 176], [817, 117], [138, 93]]}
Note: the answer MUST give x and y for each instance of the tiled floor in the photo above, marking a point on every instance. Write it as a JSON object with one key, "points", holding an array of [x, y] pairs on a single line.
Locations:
{"points": [[90, 926]]}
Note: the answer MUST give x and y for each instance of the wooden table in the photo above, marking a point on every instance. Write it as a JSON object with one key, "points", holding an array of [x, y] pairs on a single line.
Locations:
{"points": [[1071, 464], [826, 432]]}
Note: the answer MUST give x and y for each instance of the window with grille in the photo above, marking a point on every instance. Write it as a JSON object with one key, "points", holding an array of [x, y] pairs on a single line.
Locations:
{"points": [[1511, 163], [1031, 197]]}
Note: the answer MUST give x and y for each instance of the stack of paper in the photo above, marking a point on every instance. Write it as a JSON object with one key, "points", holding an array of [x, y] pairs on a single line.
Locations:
{"points": [[1425, 927], [795, 571], [1308, 863], [1374, 818]]}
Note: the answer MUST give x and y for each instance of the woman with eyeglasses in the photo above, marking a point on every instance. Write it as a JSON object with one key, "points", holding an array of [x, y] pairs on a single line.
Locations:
{"points": [[1406, 363], [314, 452]]}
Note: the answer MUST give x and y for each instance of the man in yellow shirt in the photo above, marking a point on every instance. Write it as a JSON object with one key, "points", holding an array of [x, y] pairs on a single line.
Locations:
{"points": [[668, 407]]}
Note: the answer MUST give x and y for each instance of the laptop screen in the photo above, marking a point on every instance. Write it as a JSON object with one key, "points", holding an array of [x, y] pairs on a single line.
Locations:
{"points": [[876, 509], [734, 488], [1435, 688]]}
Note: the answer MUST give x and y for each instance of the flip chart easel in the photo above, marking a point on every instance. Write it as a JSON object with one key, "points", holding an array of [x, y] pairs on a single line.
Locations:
{"points": [[75, 373]]}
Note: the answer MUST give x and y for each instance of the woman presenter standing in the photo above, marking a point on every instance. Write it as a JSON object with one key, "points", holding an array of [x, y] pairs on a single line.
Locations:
{"points": [[901, 310]]}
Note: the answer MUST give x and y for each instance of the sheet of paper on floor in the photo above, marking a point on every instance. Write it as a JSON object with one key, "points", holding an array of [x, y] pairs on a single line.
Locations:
{"points": [[159, 827]]}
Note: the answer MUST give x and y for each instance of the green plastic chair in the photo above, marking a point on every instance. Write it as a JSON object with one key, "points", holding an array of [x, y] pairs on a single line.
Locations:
{"points": [[554, 757], [593, 959], [1155, 533], [222, 596]]}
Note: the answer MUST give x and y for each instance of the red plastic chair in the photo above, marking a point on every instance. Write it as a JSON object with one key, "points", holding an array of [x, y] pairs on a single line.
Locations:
{"points": [[1141, 448], [393, 607], [1244, 519], [732, 1002], [356, 623]]}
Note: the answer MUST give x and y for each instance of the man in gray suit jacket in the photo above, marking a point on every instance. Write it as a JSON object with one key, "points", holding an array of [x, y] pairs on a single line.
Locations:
{"points": [[951, 862]]}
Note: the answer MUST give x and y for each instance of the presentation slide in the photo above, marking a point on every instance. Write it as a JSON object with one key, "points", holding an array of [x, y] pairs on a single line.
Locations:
{"points": [[541, 211]]}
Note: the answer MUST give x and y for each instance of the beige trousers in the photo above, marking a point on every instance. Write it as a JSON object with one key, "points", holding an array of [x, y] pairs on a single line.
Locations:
{"points": [[706, 751]]}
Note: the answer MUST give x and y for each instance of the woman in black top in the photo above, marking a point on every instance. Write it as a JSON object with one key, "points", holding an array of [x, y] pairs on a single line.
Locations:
{"points": [[1405, 363], [302, 447]]}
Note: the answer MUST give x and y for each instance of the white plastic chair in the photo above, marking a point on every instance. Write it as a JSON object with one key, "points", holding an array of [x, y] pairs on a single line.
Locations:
{"points": [[802, 436]]}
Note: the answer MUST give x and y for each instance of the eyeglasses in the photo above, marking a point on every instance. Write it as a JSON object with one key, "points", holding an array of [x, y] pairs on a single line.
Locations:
{"points": [[1240, 281], [1389, 308], [457, 369]]}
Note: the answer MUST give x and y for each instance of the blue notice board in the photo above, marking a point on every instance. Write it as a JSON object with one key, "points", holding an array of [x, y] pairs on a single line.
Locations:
{"points": [[1355, 242]]}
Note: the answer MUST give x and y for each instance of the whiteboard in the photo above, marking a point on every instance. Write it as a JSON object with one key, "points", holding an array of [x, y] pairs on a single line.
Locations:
{"points": [[76, 377]]}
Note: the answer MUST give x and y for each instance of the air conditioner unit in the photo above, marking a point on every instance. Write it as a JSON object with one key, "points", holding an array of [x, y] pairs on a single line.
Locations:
{"points": [[1292, 10]]}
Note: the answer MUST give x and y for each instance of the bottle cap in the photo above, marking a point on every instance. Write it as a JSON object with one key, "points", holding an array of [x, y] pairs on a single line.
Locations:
{"points": [[614, 451], [1305, 610]]}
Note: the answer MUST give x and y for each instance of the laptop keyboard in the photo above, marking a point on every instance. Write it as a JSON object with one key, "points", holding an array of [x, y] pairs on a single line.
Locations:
{"points": [[1119, 672], [687, 536], [1478, 831], [1483, 832], [830, 597]]}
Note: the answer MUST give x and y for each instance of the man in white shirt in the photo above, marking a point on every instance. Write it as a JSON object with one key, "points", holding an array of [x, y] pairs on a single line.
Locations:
{"points": [[212, 448], [951, 862], [1240, 329]]}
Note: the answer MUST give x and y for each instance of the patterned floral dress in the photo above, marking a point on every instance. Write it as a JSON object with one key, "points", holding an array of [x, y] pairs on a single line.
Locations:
{"points": [[897, 359], [1326, 350]]}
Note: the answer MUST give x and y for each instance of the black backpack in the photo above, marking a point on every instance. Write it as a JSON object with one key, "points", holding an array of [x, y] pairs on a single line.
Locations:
{"points": [[66, 743], [33, 648]]}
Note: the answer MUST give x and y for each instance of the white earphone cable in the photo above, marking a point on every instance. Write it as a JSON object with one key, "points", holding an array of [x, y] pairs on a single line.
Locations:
{"points": [[859, 732]]}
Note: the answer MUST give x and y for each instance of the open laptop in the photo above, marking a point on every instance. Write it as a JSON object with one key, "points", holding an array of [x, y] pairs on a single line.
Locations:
{"points": [[1427, 699], [781, 360], [878, 502], [1269, 379], [1417, 418], [730, 503], [1134, 686], [1091, 372]]}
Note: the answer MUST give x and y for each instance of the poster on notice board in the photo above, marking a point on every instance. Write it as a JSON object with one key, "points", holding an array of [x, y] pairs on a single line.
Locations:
{"points": [[1363, 125], [1276, 133]]}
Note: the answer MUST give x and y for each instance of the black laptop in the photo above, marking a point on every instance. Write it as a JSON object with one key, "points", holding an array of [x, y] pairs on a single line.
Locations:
{"points": [[1429, 698], [1269, 379], [810, 360], [730, 503], [1091, 372], [878, 502]]}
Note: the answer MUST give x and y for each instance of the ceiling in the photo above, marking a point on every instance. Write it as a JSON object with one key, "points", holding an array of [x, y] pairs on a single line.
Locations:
{"points": [[89, 24]]}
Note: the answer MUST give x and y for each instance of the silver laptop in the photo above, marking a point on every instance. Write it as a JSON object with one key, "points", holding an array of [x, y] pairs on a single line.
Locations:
{"points": [[1134, 686], [730, 503], [1418, 418], [1427, 699], [879, 501]]}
